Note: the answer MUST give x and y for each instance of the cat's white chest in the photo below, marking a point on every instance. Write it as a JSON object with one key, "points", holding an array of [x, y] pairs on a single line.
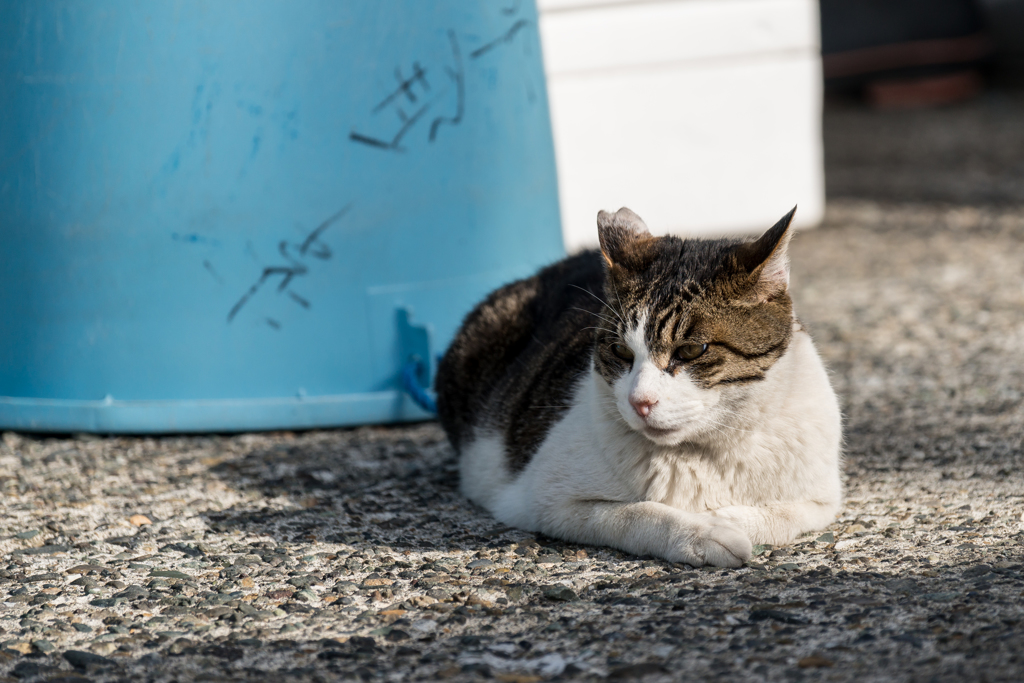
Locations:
{"points": [[690, 482]]}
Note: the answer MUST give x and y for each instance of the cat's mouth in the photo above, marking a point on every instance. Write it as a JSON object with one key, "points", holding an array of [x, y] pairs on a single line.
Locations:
{"points": [[657, 432]]}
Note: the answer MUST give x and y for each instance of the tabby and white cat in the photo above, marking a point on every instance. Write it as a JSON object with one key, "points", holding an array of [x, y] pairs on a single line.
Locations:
{"points": [[658, 396]]}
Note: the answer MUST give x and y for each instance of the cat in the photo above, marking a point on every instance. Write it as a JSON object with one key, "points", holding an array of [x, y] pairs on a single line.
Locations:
{"points": [[658, 396]]}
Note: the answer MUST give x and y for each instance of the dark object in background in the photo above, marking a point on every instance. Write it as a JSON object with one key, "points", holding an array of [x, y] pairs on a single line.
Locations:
{"points": [[1005, 21], [902, 53]]}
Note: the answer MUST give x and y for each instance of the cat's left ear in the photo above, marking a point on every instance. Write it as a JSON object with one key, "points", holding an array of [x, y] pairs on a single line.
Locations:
{"points": [[618, 233], [767, 259]]}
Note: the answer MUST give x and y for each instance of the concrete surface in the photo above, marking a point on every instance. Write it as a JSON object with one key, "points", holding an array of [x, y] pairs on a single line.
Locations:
{"points": [[349, 555]]}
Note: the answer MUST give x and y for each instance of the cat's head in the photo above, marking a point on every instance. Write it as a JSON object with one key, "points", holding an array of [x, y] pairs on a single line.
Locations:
{"points": [[691, 326]]}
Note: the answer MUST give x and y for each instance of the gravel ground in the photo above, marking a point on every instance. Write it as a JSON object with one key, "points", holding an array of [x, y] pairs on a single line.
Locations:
{"points": [[970, 153], [349, 554]]}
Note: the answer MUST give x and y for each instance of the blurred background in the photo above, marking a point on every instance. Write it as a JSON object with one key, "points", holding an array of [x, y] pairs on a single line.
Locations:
{"points": [[707, 116], [937, 117], [220, 221]]}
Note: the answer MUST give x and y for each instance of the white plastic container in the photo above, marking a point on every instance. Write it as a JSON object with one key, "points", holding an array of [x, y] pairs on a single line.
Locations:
{"points": [[703, 116]]}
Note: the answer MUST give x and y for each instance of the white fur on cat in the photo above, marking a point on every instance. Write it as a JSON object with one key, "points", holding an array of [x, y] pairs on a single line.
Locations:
{"points": [[729, 466]]}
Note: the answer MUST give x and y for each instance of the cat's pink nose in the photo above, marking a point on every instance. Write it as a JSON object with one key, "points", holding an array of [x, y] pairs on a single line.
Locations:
{"points": [[642, 406]]}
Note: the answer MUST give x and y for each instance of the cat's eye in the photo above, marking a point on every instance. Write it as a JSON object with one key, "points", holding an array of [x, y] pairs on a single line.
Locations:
{"points": [[691, 351], [622, 351]]}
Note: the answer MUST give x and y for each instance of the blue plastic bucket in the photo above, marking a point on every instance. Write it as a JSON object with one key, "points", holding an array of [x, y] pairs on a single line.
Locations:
{"points": [[216, 216]]}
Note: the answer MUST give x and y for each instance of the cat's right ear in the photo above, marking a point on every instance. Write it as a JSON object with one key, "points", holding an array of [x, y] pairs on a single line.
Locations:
{"points": [[618, 232], [767, 261]]}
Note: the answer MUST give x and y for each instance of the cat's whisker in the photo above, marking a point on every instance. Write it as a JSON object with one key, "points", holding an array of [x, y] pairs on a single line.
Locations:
{"points": [[617, 298], [602, 301], [728, 426], [726, 411], [598, 315]]}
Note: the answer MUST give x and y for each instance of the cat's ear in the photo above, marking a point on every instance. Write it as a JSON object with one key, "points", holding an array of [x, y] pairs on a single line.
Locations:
{"points": [[617, 232], [767, 259]]}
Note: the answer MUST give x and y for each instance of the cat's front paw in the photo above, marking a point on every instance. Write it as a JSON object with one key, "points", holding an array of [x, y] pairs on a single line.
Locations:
{"points": [[716, 542], [737, 515]]}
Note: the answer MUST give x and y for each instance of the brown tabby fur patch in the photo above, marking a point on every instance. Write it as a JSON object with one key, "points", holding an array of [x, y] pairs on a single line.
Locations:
{"points": [[514, 363]]}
